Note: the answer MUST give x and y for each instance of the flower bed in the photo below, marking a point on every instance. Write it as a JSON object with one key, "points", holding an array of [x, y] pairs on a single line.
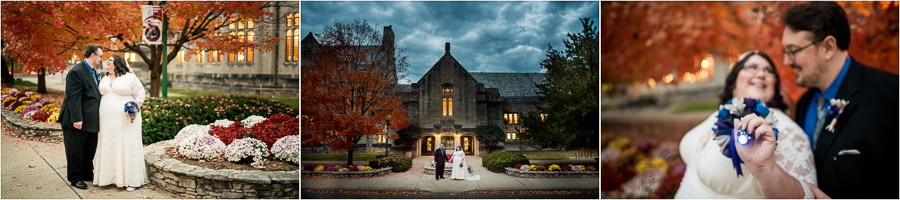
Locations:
{"points": [[163, 118], [552, 171], [200, 182], [341, 171], [641, 169], [205, 142], [30, 105], [448, 168]]}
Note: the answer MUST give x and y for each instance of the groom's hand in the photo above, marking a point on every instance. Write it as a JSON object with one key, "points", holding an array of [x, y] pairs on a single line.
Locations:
{"points": [[77, 125], [757, 153]]}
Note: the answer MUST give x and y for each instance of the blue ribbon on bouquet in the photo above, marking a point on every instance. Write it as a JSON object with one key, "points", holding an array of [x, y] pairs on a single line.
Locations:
{"points": [[132, 108], [724, 127]]}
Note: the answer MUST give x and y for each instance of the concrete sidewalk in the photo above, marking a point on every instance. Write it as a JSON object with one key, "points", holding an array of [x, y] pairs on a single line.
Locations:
{"points": [[58, 81], [37, 170], [416, 179]]}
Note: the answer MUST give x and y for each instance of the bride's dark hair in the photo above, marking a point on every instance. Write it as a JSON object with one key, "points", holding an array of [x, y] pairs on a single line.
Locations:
{"points": [[777, 100], [121, 67]]}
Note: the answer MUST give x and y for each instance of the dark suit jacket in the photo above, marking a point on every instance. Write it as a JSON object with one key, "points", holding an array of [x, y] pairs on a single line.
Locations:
{"points": [[82, 101], [868, 124], [440, 156]]}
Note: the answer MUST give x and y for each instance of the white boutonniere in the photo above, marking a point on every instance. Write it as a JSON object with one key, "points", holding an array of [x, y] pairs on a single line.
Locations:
{"points": [[835, 110], [736, 107]]}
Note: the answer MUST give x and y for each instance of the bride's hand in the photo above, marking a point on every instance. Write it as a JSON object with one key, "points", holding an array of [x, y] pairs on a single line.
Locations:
{"points": [[757, 153], [132, 116]]}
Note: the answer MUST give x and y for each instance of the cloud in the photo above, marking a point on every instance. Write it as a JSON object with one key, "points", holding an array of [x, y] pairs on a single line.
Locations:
{"points": [[484, 36]]}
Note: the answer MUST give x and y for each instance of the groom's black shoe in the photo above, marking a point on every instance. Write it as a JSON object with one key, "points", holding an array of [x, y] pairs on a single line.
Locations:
{"points": [[79, 185]]}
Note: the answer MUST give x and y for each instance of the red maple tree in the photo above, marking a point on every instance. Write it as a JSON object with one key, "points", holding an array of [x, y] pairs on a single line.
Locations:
{"points": [[43, 35], [346, 94]]}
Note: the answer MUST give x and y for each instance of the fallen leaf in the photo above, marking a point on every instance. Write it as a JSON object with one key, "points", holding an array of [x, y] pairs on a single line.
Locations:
{"points": [[10, 189], [94, 191], [30, 173], [30, 166], [18, 184], [13, 176], [38, 188], [108, 194]]}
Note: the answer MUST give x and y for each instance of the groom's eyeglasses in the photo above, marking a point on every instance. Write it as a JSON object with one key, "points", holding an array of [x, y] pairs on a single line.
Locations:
{"points": [[793, 54]]}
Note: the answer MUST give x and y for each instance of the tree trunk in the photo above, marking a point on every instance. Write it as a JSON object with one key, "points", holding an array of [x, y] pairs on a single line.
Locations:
{"points": [[155, 78], [350, 155], [42, 81]]}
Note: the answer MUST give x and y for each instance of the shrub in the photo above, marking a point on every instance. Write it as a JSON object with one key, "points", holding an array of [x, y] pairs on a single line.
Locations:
{"points": [[228, 133], [204, 147], [276, 127], [554, 167], [397, 162], [8, 100], [15, 104], [517, 166], [31, 108], [252, 120], [567, 167], [190, 131], [50, 108], [287, 149], [497, 161], [242, 149], [54, 118], [164, 117], [20, 108]]}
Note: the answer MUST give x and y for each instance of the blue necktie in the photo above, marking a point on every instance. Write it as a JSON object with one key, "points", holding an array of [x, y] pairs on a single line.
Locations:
{"points": [[93, 75]]}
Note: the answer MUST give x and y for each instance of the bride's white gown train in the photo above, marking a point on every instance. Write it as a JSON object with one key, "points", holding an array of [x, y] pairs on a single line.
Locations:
{"points": [[462, 172]]}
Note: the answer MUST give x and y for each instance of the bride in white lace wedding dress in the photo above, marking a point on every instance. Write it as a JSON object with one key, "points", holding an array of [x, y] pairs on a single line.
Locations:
{"points": [[711, 175], [461, 171], [120, 153]]}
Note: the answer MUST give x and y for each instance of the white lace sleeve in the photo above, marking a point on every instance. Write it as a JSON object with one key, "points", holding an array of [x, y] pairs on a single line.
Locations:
{"points": [[137, 90], [793, 153]]}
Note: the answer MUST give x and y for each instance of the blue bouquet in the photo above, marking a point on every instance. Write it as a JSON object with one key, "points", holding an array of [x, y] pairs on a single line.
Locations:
{"points": [[737, 108], [132, 108]]}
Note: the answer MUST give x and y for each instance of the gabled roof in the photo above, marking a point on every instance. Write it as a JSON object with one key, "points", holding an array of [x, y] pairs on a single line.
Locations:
{"points": [[511, 84]]}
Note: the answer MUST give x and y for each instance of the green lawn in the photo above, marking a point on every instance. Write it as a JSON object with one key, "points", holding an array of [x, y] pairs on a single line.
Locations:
{"points": [[339, 156], [549, 155], [23, 84]]}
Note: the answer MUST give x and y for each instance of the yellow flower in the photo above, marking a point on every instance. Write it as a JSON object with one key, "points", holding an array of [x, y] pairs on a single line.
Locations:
{"points": [[319, 168], [20, 109], [654, 163], [54, 118], [532, 167], [619, 143], [555, 167], [367, 168]]}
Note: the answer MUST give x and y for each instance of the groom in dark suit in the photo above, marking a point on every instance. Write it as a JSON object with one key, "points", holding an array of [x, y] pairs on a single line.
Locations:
{"points": [[439, 159], [79, 117], [857, 156]]}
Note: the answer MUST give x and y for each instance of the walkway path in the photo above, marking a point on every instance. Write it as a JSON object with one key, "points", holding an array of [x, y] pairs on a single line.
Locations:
{"points": [[37, 170], [416, 179]]}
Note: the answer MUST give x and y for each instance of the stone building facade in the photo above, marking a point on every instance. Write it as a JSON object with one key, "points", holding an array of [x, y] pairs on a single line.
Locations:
{"points": [[448, 102], [251, 71]]}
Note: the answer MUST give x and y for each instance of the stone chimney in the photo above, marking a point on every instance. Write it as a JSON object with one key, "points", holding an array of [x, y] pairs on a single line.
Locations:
{"points": [[447, 48], [388, 39]]}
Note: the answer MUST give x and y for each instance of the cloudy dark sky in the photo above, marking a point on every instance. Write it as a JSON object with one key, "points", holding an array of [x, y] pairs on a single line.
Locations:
{"points": [[484, 36]]}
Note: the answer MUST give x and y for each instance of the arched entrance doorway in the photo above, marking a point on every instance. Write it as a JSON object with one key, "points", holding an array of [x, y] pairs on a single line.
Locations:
{"points": [[468, 145], [427, 147]]}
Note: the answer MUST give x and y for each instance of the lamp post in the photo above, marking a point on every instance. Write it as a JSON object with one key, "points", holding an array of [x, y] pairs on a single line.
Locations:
{"points": [[387, 129]]}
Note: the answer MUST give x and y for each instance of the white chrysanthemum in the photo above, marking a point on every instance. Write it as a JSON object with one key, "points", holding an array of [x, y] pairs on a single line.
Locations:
{"points": [[525, 168], [29, 114], [287, 148], [252, 120], [247, 147], [191, 130], [222, 122], [201, 146]]}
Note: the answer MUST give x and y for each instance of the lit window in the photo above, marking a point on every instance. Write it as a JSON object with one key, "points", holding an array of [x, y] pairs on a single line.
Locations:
{"points": [[296, 53], [231, 55], [297, 19], [511, 118], [290, 19], [231, 26], [250, 49], [287, 55], [511, 136], [240, 24], [543, 116], [447, 107], [250, 24]]}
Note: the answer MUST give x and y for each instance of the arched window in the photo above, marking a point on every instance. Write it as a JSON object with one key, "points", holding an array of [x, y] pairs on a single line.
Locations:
{"points": [[250, 49], [290, 19], [296, 45], [288, 53], [231, 55], [297, 19], [447, 106], [241, 54]]}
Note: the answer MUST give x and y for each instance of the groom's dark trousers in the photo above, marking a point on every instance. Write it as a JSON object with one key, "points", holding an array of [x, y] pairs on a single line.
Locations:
{"points": [[81, 104], [859, 159], [439, 157]]}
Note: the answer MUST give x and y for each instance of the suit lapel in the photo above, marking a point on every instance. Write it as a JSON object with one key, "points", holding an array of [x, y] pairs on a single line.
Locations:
{"points": [[849, 88]]}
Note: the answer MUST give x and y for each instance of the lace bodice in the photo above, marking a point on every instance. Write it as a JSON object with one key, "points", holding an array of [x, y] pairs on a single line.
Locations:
{"points": [[127, 85], [792, 153]]}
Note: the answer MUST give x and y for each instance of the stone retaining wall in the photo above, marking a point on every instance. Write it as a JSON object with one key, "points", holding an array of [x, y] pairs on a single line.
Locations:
{"points": [[551, 174], [448, 169], [29, 128], [348, 174], [199, 182]]}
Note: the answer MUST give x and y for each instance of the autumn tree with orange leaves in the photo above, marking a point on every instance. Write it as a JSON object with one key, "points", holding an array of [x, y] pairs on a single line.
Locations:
{"points": [[43, 35], [349, 87], [647, 40]]}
